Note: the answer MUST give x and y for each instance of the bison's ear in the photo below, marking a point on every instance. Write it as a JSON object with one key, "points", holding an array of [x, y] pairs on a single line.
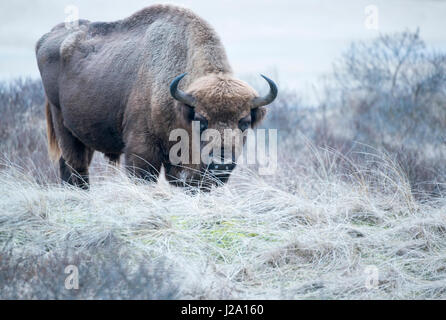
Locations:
{"points": [[257, 115]]}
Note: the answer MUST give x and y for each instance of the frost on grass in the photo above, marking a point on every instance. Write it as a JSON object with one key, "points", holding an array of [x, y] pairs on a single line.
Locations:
{"points": [[313, 230]]}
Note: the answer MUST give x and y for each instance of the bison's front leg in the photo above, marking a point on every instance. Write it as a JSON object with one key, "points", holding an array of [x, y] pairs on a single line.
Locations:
{"points": [[75, 156], [77, 177], [144, 161]]}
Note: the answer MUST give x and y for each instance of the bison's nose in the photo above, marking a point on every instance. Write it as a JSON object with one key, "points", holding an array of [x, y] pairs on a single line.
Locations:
{"points": [[221, 164]]}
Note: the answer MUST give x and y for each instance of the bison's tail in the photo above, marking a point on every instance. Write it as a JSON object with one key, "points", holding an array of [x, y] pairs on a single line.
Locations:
{"points": [[53, 145]]}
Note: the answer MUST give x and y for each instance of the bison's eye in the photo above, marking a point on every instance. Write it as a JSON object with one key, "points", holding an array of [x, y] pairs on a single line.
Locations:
{"points": [[203, 121], [244, 123]]}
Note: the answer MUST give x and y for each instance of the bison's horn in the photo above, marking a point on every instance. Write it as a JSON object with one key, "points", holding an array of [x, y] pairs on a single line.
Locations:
{"points": [[272, 94], [178, 94]]}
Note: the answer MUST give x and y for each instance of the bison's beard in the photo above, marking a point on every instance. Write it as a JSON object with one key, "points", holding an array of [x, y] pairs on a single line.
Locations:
{"points": [[198, 178]]}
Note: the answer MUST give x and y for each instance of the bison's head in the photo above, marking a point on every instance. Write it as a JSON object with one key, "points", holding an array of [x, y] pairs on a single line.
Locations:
{"points": [[219, 102]]}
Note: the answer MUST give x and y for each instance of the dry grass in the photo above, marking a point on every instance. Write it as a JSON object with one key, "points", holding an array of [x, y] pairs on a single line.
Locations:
{"points": [[308, 232]]}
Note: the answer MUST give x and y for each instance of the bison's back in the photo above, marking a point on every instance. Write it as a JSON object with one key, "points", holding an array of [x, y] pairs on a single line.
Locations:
{"points": [[48, 58], [102, 72], [83, 79]]}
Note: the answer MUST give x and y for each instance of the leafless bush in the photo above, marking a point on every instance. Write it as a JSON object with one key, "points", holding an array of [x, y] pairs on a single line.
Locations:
{"points": [[393, 91], [104, 273], [287, 114], [387, 94], [22, 128]]}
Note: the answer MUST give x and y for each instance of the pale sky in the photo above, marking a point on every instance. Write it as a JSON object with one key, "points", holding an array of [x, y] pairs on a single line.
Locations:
{"points": [[293, 41]]}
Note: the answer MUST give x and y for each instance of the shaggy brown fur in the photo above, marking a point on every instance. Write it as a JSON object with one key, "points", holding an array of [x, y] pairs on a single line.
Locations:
{"points": [[107, 86]]}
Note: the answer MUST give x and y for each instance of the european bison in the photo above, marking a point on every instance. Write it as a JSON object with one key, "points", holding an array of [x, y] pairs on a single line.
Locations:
{"points": [[115, 87]]}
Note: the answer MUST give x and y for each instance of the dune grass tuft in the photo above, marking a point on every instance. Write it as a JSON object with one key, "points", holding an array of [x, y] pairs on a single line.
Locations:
{"points": [[313, 232]]}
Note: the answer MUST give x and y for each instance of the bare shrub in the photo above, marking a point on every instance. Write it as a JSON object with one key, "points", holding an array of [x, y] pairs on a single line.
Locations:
{"points": [[106, 272], [22, 128], [387, 94], [393, 91], [392, 97]]}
